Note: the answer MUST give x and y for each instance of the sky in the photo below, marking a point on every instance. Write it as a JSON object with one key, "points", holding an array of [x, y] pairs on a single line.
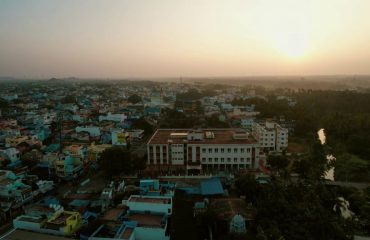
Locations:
{"points": [[183, 38]]}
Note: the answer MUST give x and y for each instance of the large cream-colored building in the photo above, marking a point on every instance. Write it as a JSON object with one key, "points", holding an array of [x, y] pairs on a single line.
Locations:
{"points": [[202, 150]]}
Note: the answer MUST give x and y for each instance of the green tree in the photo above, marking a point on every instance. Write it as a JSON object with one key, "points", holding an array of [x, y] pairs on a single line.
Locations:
{"points": [[117, 160], [248, 186], [277, 163], [141, 123], [134, 99], [349, 167]]}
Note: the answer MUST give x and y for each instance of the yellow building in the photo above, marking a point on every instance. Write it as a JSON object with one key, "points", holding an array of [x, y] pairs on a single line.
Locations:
{"points": [[14, 141], [63, 223], [94, 151], [66, 222]]}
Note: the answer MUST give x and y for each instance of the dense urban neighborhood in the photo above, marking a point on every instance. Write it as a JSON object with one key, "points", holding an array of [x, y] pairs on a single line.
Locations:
{"points": [[153, 160]]}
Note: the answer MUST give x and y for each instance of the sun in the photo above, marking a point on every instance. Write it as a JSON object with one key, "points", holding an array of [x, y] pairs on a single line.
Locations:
{"points": [[292, 46]]}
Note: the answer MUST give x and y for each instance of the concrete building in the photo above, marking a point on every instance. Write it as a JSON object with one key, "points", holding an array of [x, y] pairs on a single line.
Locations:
{"points": [[120, 137], [92, 130], [12, 153], [271, 136], [12, 188], [68, 167], [145, 219], [202, 150], [63, 223], [113, 117], [156, 204]]}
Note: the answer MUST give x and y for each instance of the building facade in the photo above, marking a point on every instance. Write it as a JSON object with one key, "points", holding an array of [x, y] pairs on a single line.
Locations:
{"points": [[203, 150], [271, 136]]}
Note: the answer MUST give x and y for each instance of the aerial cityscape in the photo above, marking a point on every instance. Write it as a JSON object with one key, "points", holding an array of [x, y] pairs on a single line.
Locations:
{"points": [[174, 120]]}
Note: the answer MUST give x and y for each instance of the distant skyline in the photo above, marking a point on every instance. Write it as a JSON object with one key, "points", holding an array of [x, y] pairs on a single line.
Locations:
{"points": [[167, 38]]}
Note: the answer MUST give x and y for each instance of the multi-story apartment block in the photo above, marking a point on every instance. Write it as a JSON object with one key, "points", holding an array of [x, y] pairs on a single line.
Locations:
{"points": [[271, 136], [202, 150]]}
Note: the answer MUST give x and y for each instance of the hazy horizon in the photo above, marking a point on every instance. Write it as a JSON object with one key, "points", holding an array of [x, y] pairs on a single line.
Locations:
{"points": [[192, 39]]}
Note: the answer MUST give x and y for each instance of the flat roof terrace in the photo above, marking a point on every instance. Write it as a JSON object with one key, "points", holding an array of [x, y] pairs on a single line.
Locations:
{"points": [[221, 136], [127, 233], [150, 200], [31, 219], [61, 219], [22, 234], [112, 214], [147, 220]]}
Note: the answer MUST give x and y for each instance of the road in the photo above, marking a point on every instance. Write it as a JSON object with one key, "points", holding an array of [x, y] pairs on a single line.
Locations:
{"points": [[349, 184]]}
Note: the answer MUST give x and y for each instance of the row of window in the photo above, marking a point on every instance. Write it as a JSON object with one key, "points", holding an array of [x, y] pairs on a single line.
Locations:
{"points": [[229, 150], [227, 159], [272, 134], [177, 145], [177, 152], [266, 139]]}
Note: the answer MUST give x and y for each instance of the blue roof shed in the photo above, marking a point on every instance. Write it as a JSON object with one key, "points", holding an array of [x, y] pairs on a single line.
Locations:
{"points": [[211, 186]]}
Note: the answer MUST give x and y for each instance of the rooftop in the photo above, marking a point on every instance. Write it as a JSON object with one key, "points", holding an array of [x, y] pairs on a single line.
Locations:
{"points": [[112, 214], [21, 234], [127, 233], [211, 186], [221, 136], [61, 219], [149, 220], [25, 218], [150, 200]]}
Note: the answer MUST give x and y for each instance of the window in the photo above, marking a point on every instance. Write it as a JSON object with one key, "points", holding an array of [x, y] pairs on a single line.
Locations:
{"points": [[222, 150], [248, 150], [228, 159], [242, 159], [222, 159], [216, 150], [216, 159], [235, 150], [203, 150], [235, 159], [229, 150], [210, 150], [209, 159], [242, 150], [203, 159]]}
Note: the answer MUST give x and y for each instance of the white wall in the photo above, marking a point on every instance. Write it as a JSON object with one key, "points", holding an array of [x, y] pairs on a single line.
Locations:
{"points": [[153, 207]]}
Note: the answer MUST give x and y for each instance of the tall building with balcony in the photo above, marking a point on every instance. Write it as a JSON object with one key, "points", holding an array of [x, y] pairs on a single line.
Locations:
{"points": [[202, 150], [271, 136]]}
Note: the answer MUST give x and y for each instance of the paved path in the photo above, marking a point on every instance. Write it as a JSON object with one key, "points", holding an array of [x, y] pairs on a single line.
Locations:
{"points": [[349, 184], [7, 233]]}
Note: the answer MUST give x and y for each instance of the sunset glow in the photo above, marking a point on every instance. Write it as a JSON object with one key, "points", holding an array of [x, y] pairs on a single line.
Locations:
{"points": [[183, 38]]}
